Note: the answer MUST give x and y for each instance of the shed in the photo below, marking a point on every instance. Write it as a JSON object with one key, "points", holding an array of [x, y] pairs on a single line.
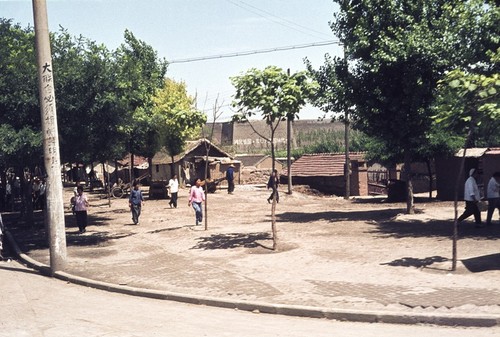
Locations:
{"points": [[190, 164], [486, 160], [325, 172]]}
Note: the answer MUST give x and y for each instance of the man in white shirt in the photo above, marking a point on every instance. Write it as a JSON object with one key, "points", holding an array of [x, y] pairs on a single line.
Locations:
{"points": [[493, 195], [173, 186], [472, 198]]}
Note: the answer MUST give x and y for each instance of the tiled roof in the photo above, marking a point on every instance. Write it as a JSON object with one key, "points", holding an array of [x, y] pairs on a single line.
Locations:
{"points": [[323, 164], [139, 162], [162, 157]]}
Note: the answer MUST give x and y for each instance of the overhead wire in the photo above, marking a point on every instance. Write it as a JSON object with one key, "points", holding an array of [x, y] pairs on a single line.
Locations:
{"points": [[292, 23], [252, 52]]}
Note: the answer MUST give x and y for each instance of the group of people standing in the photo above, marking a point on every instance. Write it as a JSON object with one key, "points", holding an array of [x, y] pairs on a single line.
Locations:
{"points": [[472, 197]]}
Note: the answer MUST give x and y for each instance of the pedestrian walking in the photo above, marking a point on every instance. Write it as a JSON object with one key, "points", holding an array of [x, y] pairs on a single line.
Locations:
{"points": [[472, 197], [135, 202], [230, 179], [273, 183], [196, 198], [493, 195], [173, 186], [81, 207]]}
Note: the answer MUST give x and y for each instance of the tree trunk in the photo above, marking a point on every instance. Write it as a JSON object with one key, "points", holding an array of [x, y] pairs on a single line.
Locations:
{"points": [[454, 254], [288, 154], [429, 171], [273, 223], [131, 169], [347, 168], [409, 186], [273, 207]]}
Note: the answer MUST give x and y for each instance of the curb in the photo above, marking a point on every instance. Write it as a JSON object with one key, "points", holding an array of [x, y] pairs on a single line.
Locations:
{"points": [[367, 316]]}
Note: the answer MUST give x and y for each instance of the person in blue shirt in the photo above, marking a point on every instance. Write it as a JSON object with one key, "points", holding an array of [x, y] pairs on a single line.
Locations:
{"points": [[230, 179], [135, 202]]}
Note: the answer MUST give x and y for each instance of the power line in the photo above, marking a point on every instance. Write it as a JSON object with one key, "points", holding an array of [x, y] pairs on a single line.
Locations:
{"points": [[284, 22], [252, 52]]}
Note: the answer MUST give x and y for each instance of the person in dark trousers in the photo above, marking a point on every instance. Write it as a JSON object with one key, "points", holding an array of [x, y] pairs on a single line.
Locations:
{"points": [[472, 196], [173, 186], [493, 195], [135, 202], [81, 207], [273, 183], [230, 179]]}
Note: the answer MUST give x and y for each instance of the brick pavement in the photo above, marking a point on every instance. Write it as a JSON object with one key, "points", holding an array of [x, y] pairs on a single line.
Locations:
{"points": [[230, 260]]}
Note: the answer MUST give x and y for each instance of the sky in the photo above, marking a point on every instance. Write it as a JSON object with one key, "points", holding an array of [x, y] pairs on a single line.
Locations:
{"points": [[186, 29]]}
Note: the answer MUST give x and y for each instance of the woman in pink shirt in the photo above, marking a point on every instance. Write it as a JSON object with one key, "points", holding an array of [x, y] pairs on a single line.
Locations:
{"points": [[196, 197]]}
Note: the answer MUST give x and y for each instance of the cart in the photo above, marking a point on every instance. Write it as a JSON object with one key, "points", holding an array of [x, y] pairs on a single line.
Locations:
{"points": [[123, 189]]}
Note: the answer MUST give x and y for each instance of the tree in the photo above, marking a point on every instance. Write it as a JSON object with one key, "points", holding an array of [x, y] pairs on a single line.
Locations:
{"points": [[176, 116], [88, 108], [399, 49], [467, 100], [140, 75], [277, 97], [19, 112]]}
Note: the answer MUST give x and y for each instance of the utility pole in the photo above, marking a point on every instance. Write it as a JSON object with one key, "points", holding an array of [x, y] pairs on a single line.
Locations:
{"points": [[55, 205], [288, 152], [347, 168]]}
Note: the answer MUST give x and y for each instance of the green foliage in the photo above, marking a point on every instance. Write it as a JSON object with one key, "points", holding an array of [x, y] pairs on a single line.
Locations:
{"points": [[271, 93], [323, 141], [104, 98], [472, 98], [176, 116], [398, 51], [140, 75], [21, 147]]}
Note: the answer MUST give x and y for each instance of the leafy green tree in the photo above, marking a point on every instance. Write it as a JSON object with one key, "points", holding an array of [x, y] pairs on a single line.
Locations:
{"points": [[176, 116], [140, 74], [274, 95], [398, 50], [468, 99], [19, 109]]}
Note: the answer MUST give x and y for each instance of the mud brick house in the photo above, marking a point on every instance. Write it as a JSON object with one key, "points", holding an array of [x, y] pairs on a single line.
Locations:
{"points": [[486, 160], [325, 173], [190, 164]]}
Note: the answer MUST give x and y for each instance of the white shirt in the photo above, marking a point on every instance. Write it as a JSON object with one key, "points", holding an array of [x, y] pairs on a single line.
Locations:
{"points": [[173, 184], [471, 191], [493, 189]]}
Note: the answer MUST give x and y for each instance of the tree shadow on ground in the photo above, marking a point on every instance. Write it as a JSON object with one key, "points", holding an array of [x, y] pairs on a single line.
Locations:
{"points": [[415, 262], [232, 240], [381, 200], [433, 228], [371, 215], [30, 238], [483, 263]]}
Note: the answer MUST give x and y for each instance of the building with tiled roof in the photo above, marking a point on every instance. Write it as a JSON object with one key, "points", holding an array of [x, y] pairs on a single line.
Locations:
{"points": [[486, 160], [325, 173]]}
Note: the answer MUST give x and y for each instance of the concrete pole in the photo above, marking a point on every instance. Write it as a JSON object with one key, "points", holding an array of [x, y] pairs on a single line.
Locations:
{"points": [[347, 168], [55, 205], [288, 150]]}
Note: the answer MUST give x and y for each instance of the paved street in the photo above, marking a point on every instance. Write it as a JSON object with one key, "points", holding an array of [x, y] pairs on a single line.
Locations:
{"points": [[39, 306]]}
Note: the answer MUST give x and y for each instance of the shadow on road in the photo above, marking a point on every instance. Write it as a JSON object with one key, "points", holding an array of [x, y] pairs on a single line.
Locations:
{"points": [[232, 240], [483, 263]]}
